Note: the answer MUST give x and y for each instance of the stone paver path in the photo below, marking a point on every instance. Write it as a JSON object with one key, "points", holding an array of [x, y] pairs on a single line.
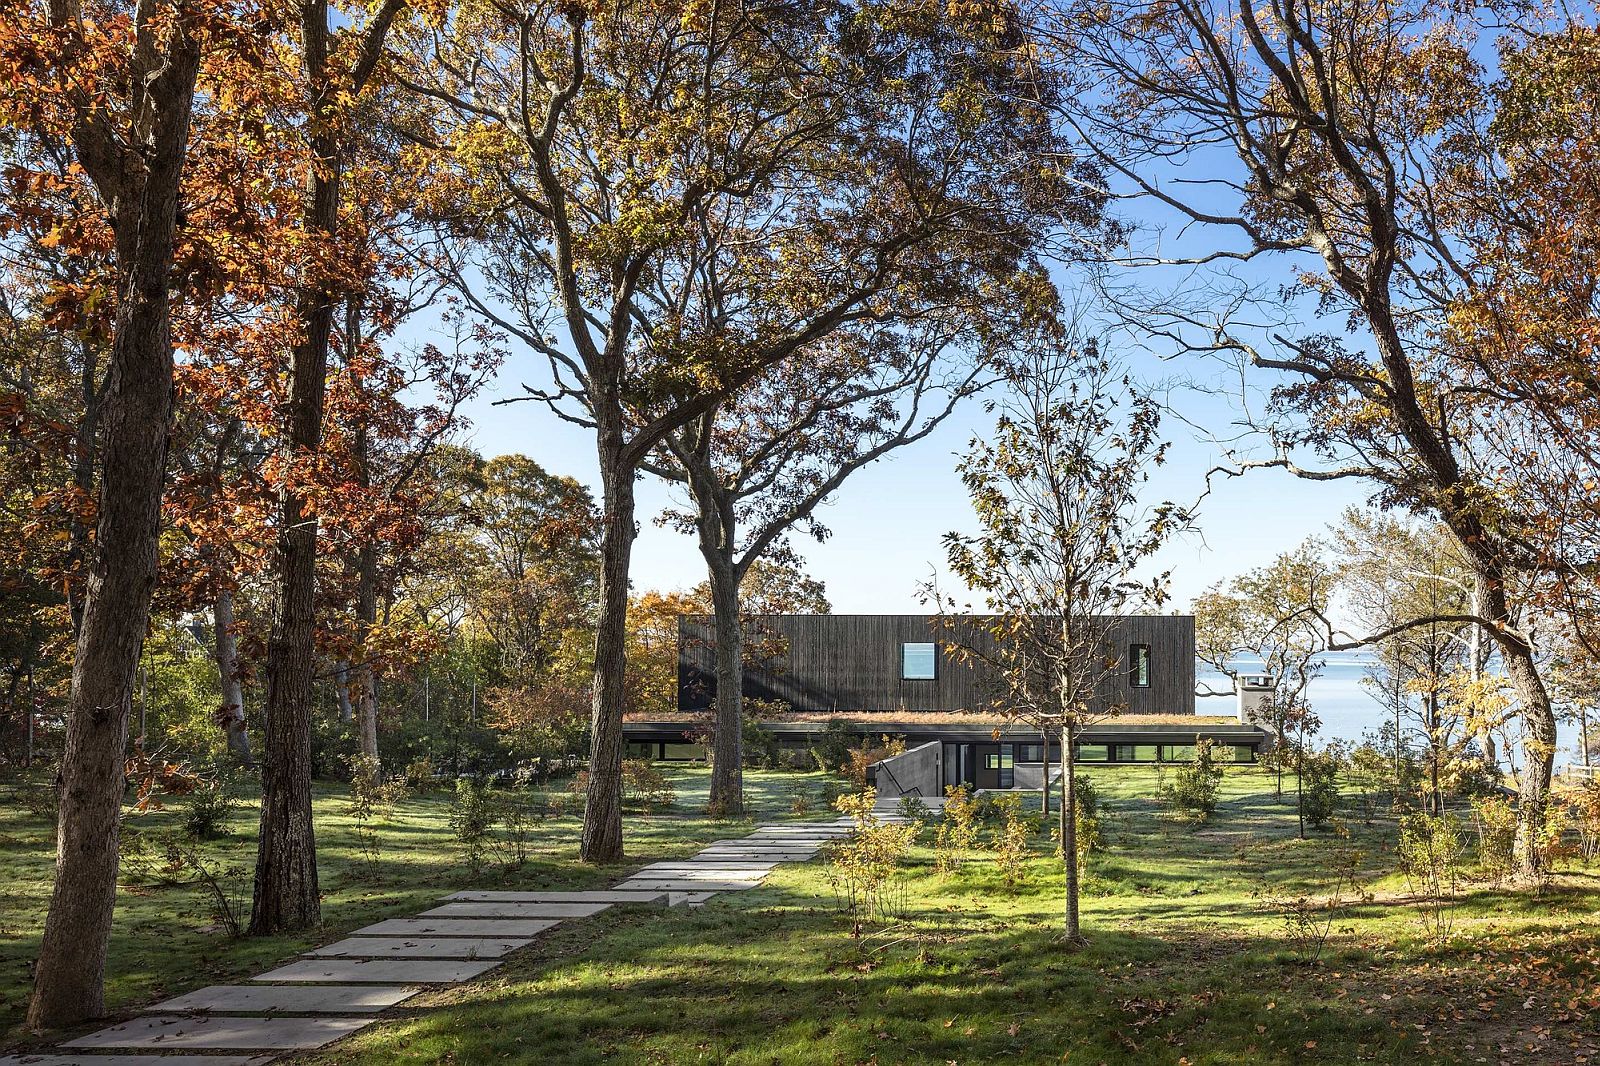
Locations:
{"points": [[338, 989]]}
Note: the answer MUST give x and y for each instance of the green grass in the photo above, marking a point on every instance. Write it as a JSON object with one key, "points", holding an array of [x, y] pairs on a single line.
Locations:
{"points": [[165, 939], [1185, 961]]}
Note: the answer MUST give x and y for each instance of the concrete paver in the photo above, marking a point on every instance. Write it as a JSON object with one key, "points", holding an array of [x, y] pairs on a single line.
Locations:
{"points": [[213, 1033], [380, 971], [267, 999]]}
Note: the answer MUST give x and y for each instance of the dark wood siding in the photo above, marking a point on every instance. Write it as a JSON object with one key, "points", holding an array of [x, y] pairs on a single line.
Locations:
{"points": [[851, 662]]}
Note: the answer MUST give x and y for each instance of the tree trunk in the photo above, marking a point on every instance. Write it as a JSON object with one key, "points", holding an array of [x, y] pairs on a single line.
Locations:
{"points": [[225, 648], [602, 815], [69, 980], [366, 676], [1538, 760], [83, 468], [1300, 783], [727, 767], [1478, 654], [1069, 833], [286, 891], [347, 711], [1538, 716], [1044, 784]]}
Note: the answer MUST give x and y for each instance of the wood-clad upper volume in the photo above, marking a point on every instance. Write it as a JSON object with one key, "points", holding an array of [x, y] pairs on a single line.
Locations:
{"points": [[848, 663]]}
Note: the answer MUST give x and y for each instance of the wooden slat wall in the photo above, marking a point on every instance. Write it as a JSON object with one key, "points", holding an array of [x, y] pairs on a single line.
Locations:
{"points": [[851, 662]]}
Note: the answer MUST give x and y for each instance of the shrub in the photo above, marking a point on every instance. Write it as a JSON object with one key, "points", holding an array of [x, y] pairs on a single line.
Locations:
{"points": [[1319, 784], [1193, 791], [1582, 800], [206, 817], [1011, 841], [644, 783], [860, 759], [799, 799], [1430, 857], [864, 868], [1307, 920], [797, 759], [1553, 842], [957, 831], [43, 802], [472, 816], [914, 810], [760, 746], [420, 774], [557, 804], [832, 749], [1496, 821], [165, 861], [372, 798], [518, 817], [1086, 828]]}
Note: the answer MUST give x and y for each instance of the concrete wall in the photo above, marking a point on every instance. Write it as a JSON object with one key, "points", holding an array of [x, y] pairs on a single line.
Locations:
{"points": [[1030, 775], [914, 772]]}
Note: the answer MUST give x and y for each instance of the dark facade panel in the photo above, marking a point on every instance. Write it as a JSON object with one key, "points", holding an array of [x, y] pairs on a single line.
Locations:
{"points": [[848, 663]]}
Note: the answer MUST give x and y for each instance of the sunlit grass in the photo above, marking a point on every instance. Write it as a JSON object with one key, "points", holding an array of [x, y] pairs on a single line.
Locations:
{"points": [[165, 939], [1185, 961]]}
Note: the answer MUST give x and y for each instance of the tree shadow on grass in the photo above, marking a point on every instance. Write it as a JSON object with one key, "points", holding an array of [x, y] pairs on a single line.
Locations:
{"points": [[747, 982]]}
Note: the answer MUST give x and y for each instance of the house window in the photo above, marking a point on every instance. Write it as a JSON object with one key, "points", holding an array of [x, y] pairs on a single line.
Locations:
{"points": [[1139, 665], [1005, 764], [919, 662], [1094, 753], [1030, 753]]}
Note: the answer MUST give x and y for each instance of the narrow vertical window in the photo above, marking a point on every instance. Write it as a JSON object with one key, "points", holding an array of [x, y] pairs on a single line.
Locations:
{"points": [[919, 662], [1139, 665]]}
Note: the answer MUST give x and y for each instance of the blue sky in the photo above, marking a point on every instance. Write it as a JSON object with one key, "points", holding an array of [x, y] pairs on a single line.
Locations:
{"points": [[887, 521]]}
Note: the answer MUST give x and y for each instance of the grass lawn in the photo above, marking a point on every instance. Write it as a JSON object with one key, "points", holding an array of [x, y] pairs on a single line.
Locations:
{"points": [[1185, 964], [165, 939]]}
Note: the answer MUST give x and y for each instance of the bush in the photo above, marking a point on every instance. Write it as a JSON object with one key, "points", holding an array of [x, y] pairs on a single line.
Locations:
{"points": [[1011, 842], [760, 747], [372, 797], [1308, 920], [558, 804], [799, 799], [1582, 800], [643, 783], [957, 831], [472, 817], [519, 817], [797, 759], [859, 762], [1193, 791], [832, 750], [1086, 828], [1319, 784], [1430, 857], [43, 802], [420, 774], [864, 868], [914, 810], [206, 817], [1496, 822]]}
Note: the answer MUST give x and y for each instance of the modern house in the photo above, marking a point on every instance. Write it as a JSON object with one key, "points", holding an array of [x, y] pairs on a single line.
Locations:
{"points": [[894, 675]]}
